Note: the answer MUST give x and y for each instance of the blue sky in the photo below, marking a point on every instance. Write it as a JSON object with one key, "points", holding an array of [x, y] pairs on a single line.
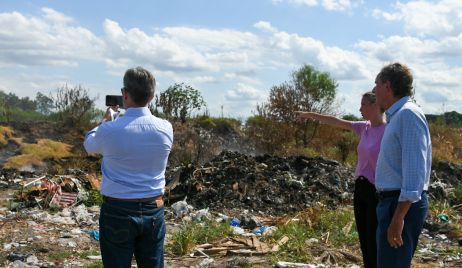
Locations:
{"points": [[232, 51]]}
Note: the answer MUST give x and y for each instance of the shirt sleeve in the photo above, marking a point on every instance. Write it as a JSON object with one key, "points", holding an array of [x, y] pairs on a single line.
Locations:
{"points": [[359, 126], [415, 145], [93, 140]]}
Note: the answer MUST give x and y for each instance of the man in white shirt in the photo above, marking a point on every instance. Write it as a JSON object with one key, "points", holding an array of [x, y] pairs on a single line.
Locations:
{"points": [[135, 149]]}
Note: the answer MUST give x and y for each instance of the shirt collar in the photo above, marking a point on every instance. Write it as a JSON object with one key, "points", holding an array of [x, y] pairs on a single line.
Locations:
{"points": [[137, 112], [396, 106]]}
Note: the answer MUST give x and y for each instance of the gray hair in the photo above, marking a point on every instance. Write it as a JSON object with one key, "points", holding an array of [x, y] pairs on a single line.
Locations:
{"points": [[140, 84]]}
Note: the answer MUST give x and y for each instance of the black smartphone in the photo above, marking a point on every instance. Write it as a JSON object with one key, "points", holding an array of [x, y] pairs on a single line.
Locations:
{"points": [[114, 100]]}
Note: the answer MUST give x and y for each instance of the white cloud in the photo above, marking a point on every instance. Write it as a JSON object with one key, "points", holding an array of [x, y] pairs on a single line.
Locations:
{"points": [[56, 17], [244, 93], [423, 18], [342, 64], [46, 40], [265, 26], [135, 46], [333, 5]]}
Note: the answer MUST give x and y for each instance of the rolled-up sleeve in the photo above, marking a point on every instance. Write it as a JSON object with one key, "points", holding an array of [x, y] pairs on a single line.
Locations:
{"points": [[414, 144], [93, 141]]}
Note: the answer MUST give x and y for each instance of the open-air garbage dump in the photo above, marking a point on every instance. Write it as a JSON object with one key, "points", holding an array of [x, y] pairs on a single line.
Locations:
{"points": [[45, 223]]}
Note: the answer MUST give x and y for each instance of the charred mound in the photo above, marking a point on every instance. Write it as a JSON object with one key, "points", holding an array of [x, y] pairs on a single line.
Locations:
{"points": [[269, 184]]}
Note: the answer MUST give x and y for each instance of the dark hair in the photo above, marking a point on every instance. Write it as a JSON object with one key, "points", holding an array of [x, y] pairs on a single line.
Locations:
{"points": [[400, 78], [370, 97], [140, 84]]}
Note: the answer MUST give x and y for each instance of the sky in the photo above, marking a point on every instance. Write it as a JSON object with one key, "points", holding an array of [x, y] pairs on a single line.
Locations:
{"points": [[232, 51]]}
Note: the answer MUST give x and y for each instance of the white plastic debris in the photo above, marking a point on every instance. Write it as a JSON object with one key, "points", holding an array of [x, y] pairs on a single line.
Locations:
{"points": [[237, 230], [181, 208], [205, 263], [284, 264], [201, 214]]}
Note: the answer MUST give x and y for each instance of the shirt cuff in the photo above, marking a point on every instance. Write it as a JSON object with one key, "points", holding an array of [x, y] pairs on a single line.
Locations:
{"points": [[411, 196], [91, 132]]}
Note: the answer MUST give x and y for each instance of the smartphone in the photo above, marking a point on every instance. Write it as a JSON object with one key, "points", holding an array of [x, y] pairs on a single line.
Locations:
{"points": [[114, 100]]}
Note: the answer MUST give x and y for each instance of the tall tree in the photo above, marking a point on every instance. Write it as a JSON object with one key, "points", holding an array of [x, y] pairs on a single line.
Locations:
{"points": [[44, 104], [310, 90], [179, 101]]}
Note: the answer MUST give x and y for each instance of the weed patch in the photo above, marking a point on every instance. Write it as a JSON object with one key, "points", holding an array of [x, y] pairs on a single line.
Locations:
{"points": [[336, 228], [191, 234], [94, 198]]}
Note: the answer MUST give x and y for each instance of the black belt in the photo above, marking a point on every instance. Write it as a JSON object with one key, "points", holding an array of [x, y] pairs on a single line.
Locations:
{"points": [[158, 200], [386, 194], [393, 193]]}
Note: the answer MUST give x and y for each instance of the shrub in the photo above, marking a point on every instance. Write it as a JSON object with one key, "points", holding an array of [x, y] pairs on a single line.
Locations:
{"points": [[268, 135], [75, 107], [446, 142], [219, 125], [94, 198], [192, 145]]}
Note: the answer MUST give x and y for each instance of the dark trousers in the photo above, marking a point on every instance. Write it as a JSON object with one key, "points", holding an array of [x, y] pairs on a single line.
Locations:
{"points": [[128, 229], [413, 223], [365, 205]]}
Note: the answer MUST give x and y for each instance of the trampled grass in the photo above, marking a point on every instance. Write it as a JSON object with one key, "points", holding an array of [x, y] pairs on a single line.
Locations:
{"points": [[34, 154]]}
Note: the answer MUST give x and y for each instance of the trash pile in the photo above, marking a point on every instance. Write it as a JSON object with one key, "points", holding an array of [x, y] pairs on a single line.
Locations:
{"points": [[267, 184], [445, 179], [48, 191]]}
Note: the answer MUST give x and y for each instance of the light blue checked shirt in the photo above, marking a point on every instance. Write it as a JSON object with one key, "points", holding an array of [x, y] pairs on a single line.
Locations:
{"points": [[405, 156], [135, 149]]}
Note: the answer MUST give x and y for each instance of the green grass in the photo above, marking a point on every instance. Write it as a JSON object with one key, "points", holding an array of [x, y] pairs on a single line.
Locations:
{"points": [[94, 198], [458, 193], [441, 207], [97, 264], [334, 228], [61, 255], [191, 234], [34, 154]]}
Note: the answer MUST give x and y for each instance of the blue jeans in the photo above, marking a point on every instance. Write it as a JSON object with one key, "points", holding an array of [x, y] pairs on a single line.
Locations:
{"points": [[131, 228], [388, 257]]}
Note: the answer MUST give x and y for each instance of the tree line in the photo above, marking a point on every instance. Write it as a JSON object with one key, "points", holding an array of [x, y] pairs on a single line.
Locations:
{"points": [[271, 126]]}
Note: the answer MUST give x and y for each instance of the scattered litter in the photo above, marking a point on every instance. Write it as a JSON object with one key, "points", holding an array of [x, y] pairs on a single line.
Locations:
{"points": [[181, 208], [205, 263], [238, 230], [93, 233], [235, 222], [200, 214], [264, 230], [91, 257], [443, 217], [283, 264]]}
